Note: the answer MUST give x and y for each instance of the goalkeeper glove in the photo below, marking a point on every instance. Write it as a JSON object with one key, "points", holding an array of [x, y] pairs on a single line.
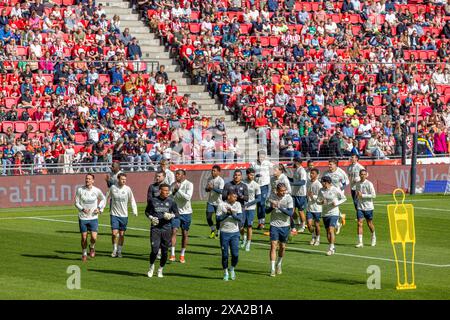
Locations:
{"points": [[169, 216], [154, 220]]}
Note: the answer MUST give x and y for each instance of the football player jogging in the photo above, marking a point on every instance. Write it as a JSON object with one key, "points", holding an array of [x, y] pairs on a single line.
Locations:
{"points": [[309, 167], [254, 196], [90, 202], [160, 210], [340, 180], [229, 214], [238, 187], [170, 177], [112, 179], [313, 209], [263, 168], [353, 173], [182, 191], [365, 193], [153, 191], [279, 176], [299, 195], [214, 187], [282, 209], [120, 196], [330, 198]]}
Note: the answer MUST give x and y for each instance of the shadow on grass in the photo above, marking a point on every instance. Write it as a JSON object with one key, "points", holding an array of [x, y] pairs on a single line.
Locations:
{"points": [[126, 255], [196, 276], [47, 256], [238, 271], [120, 272], [350, 282]]}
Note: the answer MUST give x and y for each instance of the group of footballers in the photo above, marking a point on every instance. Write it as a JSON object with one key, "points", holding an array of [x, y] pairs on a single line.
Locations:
{"points": [[294, 203]]}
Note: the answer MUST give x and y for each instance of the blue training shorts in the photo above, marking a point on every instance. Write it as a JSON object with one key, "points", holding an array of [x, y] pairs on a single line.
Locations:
{"points": [[279, 233], [88, 225], [248, 217], [211, 208], [330, 221], [313, 216], [184, 221], [300, 202], [368, 214], [119, 223]]}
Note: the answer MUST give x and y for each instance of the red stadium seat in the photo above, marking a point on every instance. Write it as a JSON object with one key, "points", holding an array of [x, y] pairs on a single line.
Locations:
{"points": [[46, 125], [6, 125], [80, 137], [9, 102], [274, 41], [265, 41], [20, 126], [194, 27], [34, 125]]}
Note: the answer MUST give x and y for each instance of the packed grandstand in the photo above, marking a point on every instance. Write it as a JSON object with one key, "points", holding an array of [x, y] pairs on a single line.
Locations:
{"points": [[334, 78]]}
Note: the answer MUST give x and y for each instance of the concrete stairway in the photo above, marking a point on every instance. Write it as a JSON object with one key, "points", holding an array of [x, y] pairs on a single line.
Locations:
{"points": [[153, 50]]}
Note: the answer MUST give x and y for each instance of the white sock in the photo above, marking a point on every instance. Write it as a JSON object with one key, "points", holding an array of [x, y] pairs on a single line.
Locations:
{"points": [[225, 271], [299, 221], [280, 259], [249, 242], [313, 234], [231, 269], [172, 249], [152, 266], [331, 246], [115, 247], [160, 269], [373, 235], [318, 238], [119, 248], [272, 263], [84, 252], [92, 246], [245, 238], [183, 250], [360, 238]]}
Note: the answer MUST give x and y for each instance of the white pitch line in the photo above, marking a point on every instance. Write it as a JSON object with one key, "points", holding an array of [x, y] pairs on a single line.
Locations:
{"points": [[358, 256], [267, 245], [34, 217]]}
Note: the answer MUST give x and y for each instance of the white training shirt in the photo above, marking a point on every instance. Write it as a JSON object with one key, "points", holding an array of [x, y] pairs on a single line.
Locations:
{"points": [[281, 179], [353, 174], [89, 199], [215, 198], [338, 178], [170, 177], [278, 218], [330, 200], [262, 169], [113, 178], [120, 197], [368, 194], [314, 188], [229, 224], [299, 174], [253, 191], [183, 197]]}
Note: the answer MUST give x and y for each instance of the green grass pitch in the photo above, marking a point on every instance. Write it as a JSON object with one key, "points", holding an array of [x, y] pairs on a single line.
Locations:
{"points": [[39, 244]]}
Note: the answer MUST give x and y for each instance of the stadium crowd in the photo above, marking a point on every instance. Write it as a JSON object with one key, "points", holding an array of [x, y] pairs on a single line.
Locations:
{"points": [[337, 78], [73, 90]]}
